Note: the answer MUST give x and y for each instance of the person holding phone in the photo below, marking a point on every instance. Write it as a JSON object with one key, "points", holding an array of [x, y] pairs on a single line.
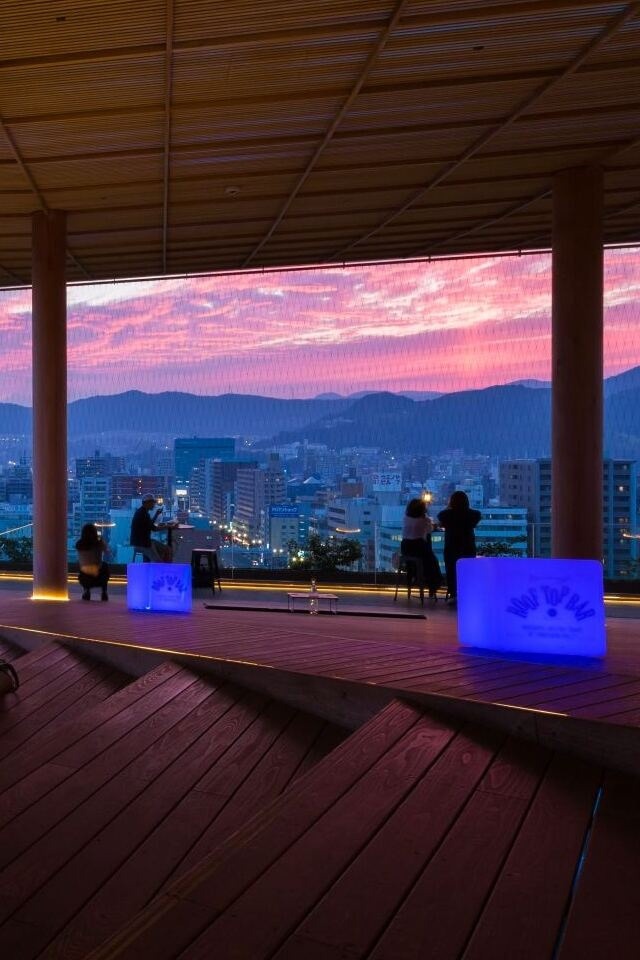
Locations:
{"points": [[93, 569]]}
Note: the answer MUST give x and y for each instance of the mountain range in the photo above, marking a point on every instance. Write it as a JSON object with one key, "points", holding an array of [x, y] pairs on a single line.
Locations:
{"points": [[511, 420]]}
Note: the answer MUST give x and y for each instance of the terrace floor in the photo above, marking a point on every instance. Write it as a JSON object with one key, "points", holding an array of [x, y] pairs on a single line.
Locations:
{"points": [[352, 664], [218, 806]]}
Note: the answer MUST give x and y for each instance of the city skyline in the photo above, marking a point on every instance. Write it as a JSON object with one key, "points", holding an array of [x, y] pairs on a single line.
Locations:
{"points": [[439, 326]]}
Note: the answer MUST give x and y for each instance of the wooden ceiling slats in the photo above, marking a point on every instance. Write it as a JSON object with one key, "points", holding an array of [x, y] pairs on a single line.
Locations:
{"points": [[43, 27], [220, 171]]}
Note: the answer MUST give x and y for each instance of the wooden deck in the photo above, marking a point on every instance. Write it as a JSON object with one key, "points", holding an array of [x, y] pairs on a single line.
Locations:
{"points": [[416, 838], [98, 812], [197, 811], [379, 658]]}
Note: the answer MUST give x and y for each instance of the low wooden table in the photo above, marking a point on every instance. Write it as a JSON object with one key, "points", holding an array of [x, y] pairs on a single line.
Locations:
{"points": [[331, 598]]}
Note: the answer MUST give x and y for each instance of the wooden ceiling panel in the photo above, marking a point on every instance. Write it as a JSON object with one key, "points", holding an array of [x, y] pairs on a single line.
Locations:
{"points": [[56, 90], [229, 129], [438, 109], [276, 133], [98, 171], [42, 29], [269, 72], [197, 19], [99, 135], [107, 198], [437, 147]]}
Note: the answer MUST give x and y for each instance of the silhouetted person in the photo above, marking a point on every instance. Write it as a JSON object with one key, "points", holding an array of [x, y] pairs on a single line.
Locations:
{"points": [[93, 569], [458, 522], [142, 526], [416, 542]]}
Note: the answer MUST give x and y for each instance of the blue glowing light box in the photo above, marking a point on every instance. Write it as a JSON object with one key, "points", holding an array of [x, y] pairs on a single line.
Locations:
{"points": [[159, 586], [532, 605]]}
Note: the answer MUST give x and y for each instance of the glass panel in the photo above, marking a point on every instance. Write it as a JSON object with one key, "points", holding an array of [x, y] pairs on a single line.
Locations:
{"points": [[286, 418]]}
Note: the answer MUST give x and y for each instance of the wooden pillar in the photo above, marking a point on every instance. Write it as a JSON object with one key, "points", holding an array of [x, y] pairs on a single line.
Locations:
{"points": [[49, 406], [577, 369]]}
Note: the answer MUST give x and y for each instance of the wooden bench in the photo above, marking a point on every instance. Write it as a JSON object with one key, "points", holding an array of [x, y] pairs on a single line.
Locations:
{"points": [[415, 838]]}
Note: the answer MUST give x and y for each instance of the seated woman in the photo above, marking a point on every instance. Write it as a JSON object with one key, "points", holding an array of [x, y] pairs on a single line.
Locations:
{"points": [[416, 542], [93, 570]]}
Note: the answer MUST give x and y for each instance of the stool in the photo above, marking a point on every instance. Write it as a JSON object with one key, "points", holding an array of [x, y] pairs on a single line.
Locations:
{"points": [[205, 571], [414, 569]]}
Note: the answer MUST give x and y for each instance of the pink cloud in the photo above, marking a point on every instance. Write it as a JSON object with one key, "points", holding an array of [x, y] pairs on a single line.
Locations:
{"points": [[444, 325]]}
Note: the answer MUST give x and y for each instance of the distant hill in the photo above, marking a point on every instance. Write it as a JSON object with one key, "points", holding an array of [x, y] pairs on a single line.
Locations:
{"points": [[512, 420], [14, 420], [185, 414], [499, 421], [411, 394], [629, 380], [532, 384], [505, 421]]}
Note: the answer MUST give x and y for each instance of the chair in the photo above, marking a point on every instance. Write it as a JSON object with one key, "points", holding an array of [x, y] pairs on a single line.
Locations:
{"points": [[414, 569], [205, 571]]}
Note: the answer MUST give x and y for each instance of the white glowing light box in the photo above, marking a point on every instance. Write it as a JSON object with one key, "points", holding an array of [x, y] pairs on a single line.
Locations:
{"points": [[159, 586], [532, 605]]}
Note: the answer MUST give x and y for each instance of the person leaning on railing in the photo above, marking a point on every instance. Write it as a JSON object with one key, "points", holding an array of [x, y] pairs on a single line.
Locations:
{"points": [[458, 522]]}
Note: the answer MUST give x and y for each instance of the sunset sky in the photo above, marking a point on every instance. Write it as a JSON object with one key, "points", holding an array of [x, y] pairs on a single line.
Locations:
{"points": [[442, 326]]}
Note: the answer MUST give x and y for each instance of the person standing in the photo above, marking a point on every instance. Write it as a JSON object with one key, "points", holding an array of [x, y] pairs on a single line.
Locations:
{"points": [[93, 569], [142, 526], [458, 521], [417, 527]]}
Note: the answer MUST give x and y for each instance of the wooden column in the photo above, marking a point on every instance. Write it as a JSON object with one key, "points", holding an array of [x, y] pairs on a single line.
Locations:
{"points": [[577, 390], [49, 406]]}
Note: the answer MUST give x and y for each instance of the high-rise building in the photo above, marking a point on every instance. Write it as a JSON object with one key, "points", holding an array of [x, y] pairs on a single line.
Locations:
{"points": [[19, 483], [98, 465], [284, 525], [355, 519], [527, 483], [94, 501], [189, 451], [620, 518], [126, 488], [220, 487], [256, 490]]}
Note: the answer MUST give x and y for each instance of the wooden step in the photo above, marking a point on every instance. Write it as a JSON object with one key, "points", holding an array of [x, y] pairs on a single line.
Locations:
{"points": [[416, 837], [56, 686], [121, 809], [53, 739]]}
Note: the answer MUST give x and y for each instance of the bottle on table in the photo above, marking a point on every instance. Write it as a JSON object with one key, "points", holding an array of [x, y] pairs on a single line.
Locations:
{"points": [[313, 598]]}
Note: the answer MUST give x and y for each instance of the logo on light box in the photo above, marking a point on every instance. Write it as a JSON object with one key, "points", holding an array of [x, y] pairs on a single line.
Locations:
{"points": [[551, 601]]}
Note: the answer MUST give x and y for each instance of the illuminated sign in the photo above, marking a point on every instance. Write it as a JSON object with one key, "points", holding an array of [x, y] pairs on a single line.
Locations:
{"points": [[532, 605], [283, 510], [159, 586]]}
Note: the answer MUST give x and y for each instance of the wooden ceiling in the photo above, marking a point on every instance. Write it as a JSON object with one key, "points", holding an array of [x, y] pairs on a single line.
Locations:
{"points": [[204, 135]]}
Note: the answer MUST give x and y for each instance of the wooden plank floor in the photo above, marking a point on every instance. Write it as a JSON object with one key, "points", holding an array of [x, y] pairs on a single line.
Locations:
{"points": [[418, 837], [405, 655], [113, 808]]}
